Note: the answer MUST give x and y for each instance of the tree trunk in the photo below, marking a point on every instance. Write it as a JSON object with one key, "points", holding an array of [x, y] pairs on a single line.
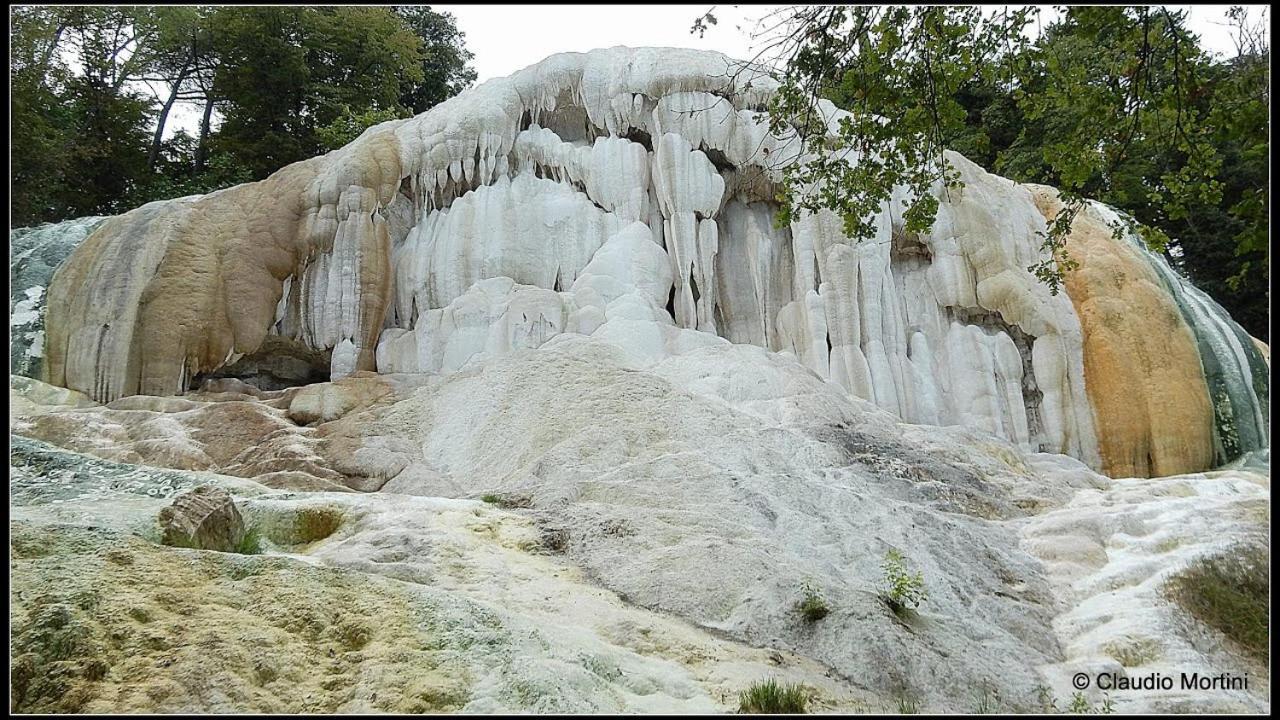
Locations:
{"points": [[154, 155], [202, 150], [48, 54]]}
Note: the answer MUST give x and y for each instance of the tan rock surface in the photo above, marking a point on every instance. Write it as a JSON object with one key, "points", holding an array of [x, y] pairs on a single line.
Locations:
{"points": [[197, 281], [323, 402]]}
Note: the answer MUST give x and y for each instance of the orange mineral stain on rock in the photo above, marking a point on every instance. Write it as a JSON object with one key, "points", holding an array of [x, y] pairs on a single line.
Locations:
{"points": [[1141, 363]]}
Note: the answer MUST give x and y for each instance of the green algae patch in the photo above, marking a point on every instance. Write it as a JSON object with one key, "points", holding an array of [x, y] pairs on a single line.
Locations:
{"points": [[168, 630]]}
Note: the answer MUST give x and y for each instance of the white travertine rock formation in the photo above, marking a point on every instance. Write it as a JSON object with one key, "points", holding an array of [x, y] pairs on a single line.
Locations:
{"points": [[519, 211], [635, 509]]}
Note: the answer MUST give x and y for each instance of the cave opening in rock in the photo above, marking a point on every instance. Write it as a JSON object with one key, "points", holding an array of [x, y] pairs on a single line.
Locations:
{"points": [[278, 364]]}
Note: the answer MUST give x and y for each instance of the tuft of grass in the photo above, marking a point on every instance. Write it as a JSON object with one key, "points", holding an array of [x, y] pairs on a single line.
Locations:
{"points": [[1230, 592], [1080, 705], [986, 698], [510, 501], [251, 543], [908, 703], [813, 607], [771, 698]]}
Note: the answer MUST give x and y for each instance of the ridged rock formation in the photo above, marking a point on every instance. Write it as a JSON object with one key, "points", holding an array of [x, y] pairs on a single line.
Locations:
{"points": [[34, 254], [1145, 380], [628, 194]]}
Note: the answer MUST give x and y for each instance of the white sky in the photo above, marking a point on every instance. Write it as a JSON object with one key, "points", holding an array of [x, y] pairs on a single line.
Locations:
{"points": [[507, 38]]}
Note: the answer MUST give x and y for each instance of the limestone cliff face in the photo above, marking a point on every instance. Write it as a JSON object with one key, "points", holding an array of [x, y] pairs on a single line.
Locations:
{"points": [[628, 194]]}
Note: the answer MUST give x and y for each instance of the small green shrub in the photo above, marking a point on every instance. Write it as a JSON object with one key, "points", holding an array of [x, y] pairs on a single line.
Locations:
{"points": [[1229, 592], [1046, 699], [491, 499], [771, 698], [903, 590], [813, 607], [1080, 705], [250, 543]]}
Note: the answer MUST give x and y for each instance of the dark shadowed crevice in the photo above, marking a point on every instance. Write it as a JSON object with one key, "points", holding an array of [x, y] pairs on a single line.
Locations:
{"points": [[278, 364], [717, 158], [636, 135], [1032, 396]]}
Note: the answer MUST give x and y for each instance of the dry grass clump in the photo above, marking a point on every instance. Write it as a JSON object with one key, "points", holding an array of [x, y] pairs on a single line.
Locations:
{"points": [[1230, 593]]}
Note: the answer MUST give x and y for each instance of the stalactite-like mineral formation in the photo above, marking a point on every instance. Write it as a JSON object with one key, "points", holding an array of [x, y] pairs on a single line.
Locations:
{"points": [[629, 193]]}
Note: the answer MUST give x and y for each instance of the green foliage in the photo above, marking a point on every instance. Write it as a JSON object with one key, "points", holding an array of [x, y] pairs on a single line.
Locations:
{"points": [[349, 125], [508, 501], [250, 543], [898, 72], [907, 701], [1080, 705], [175, 173], [79, 139], [287, 83], [1047, 701], [1116, 103], [770, 697], [813, 607], [903, 590], [1231, 593], [445, 72]]}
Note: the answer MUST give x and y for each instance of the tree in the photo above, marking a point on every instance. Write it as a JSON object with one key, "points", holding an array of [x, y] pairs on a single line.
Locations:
{"points": [[262, 77], [288, 83], [40, 133], [182, 59], [1117, 103], [349, 125], [286, 73], [78, 138], [445, 69]]}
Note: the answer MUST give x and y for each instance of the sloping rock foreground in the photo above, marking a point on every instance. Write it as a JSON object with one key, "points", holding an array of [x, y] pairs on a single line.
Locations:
{"points": [[593, 191], [568, 528]]}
